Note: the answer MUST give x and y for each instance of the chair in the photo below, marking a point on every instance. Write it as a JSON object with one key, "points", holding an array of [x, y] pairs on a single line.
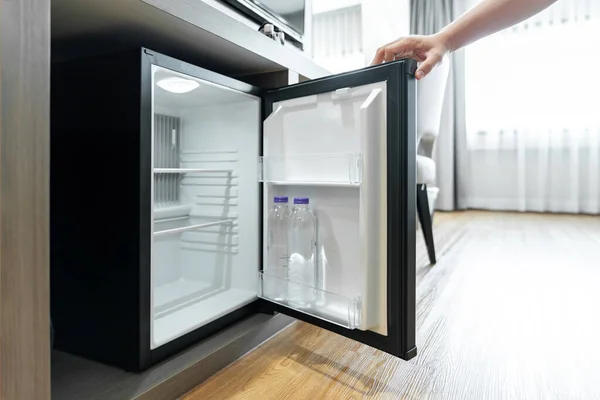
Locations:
{"points": [[430, 99]]}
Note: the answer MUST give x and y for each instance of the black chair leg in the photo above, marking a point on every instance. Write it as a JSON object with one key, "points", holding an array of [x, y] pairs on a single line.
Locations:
{"points": [[425, 220]]}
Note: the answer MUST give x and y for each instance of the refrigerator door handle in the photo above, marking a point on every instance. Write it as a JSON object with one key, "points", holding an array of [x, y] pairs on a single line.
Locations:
{"points": [[342, 93]]}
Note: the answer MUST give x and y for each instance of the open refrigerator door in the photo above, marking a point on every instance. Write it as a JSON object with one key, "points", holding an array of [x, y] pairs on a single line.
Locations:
{"points": [[330, 148]]}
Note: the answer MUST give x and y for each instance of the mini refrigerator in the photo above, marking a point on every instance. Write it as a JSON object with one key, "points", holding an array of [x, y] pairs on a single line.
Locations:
{"points": [[162, 176]]}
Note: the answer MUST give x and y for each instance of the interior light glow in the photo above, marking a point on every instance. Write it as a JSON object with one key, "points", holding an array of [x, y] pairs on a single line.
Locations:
{"points": [[178, 85]]}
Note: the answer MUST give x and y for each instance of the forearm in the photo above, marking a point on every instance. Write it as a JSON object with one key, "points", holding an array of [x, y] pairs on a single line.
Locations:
{"points": [[488, 17]]}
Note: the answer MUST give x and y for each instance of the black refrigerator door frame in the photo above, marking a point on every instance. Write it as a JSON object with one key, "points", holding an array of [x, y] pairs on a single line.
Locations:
{"points": [[401, 193], [151, 356]]}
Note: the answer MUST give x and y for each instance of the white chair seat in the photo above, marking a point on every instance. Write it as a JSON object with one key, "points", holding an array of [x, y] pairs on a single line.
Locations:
{"points": [[425, 170]]}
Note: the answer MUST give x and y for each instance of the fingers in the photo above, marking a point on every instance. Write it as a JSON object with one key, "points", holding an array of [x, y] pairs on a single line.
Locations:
{"points": [[426, 66], [389, 54], [423, 49], [388, 51], [400, 48], [378, 59], [380, 54]]}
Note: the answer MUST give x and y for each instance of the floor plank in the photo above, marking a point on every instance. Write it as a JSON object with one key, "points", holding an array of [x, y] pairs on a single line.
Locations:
{"points": [[509, 312]]}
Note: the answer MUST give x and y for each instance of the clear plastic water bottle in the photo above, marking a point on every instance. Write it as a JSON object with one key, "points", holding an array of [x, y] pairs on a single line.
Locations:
{"points": [[275, 283], [302, 264]]}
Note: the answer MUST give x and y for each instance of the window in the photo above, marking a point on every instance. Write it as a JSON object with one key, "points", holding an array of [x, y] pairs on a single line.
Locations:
{"points": [[540, 76]]}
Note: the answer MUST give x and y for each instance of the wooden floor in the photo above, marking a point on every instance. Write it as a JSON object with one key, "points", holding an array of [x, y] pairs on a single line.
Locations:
{"points": [[511, 311]]}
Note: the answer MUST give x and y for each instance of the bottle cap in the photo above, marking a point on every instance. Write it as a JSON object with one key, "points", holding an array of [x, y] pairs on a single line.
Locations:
{"points": [[301, 200], [280, 199]]}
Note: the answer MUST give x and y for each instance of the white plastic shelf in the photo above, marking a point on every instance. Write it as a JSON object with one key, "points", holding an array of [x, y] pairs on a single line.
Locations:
{"points": [[331, 307], [340, 169], [189, 170], [179, 225], [170, 211]]}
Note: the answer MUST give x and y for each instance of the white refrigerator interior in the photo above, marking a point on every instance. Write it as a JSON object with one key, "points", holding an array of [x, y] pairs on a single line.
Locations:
{"points": [[206, 216], [205, 203], [331, 148]]}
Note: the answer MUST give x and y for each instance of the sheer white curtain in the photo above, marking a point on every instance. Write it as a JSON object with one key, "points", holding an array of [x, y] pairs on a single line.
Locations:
{"points": [[346, 33], [338, 38], [532, 106]]}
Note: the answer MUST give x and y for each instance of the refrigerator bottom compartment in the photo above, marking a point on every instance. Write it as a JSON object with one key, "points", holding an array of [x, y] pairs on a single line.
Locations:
{"points": [[332, 307], [197, 278], [183, 320], [176, 294]]}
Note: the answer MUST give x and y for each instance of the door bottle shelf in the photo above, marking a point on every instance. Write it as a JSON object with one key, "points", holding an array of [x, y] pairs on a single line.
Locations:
{"points": [[331, 307], [339, 169], [179, 225]]}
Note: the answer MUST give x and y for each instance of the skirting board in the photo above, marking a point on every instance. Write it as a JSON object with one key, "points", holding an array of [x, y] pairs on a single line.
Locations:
{"points": [[74, 378], [532, 205]]}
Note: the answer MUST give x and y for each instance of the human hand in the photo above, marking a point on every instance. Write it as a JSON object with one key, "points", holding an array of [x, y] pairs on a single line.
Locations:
{"points": [[428, 50]]}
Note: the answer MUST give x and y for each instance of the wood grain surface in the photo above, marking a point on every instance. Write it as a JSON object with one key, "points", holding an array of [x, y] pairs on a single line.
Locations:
{"points": [[24, 199], [509, 312], [76, 378]]}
